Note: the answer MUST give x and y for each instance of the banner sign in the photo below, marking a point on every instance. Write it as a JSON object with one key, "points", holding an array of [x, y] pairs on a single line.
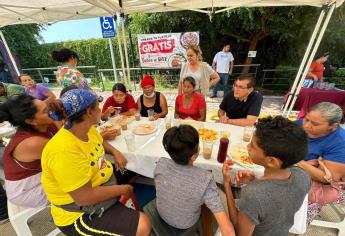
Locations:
{"points": [[165, 50]]}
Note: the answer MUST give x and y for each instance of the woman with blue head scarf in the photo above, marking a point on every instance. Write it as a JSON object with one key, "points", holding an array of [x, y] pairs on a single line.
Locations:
{"points": [[77, 178]]}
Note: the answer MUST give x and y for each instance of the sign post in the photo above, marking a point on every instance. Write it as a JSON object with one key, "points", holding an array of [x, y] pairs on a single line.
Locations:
{"points": [[108, 31]]}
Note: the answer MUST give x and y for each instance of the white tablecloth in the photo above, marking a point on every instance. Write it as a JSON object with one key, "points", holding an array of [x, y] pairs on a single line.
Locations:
{"points": [[149, 149]]}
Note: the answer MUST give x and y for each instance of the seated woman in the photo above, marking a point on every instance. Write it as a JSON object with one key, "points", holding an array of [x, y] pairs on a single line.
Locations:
{"points": [[22, 156], [120, 100], [68, 73], [326, 159], [79, 180], [9, 90], [150, 99], [37, 91], [190, 104]]}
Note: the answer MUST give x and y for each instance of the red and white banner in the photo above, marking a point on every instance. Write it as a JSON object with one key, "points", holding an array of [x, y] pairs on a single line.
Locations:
{"points": [[165, 50]]}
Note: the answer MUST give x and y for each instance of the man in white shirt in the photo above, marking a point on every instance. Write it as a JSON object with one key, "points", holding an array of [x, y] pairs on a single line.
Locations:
{"points": [[223, 63]]}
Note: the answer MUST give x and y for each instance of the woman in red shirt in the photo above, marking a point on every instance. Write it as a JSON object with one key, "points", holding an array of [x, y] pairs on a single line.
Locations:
{"points": [[190, 104], [120, 101]]}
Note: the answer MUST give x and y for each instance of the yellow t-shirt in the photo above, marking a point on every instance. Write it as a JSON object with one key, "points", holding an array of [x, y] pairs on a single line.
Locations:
{"points": [[68, 163]]}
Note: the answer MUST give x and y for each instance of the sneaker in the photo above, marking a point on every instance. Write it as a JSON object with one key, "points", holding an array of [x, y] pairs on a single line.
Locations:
{"points": [[213, 96]]}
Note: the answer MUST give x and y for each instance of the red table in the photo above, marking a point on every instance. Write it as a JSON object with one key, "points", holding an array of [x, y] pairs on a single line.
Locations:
{"points": [[309, 97]]}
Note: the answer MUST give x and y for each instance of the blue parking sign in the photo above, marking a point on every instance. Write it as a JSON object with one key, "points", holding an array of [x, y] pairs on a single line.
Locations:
{"points": [[107, 25]]}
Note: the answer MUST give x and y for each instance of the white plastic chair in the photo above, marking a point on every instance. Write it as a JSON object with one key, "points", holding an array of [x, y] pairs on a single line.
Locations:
{"points": [[340, 226], [19, 217]]}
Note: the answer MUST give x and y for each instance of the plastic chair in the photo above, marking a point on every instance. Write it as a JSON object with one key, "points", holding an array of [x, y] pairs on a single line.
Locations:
{"points": [[333, 216], [19, 218]]}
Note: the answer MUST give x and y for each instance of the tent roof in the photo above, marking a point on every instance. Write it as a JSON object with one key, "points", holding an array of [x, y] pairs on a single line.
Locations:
{"points": [[50, 11]]}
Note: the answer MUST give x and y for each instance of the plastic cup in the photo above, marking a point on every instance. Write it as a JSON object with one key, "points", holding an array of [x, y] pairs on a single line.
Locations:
{"points": [[124, 125], [150, 114], [248, 133], [130, 142], [167, 122], [207, 147], [137, 115]]}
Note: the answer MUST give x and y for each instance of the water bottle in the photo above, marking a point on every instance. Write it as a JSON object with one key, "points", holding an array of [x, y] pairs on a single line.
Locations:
{"points": [[223, 149]]}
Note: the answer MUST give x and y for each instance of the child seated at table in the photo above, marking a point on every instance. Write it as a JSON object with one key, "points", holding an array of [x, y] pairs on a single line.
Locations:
{"points": [[267, 205], [182, 188]]}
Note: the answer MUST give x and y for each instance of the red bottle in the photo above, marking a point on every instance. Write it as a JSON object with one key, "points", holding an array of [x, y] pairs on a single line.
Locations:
{"points": [[223, 149]]}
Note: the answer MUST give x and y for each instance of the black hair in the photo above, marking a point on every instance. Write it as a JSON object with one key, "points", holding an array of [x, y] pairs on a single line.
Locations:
{"points": [[190, 79], [248, 77], [68, 88], [281, 138], [20, 77], [63, 54], [119, 86], [225, 44], [17, 109], [2, 85], [181, 143], [58, 113]]}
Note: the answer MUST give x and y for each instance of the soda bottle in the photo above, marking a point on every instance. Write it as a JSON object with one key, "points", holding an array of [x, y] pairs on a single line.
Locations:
{"points": [[223, 148]]}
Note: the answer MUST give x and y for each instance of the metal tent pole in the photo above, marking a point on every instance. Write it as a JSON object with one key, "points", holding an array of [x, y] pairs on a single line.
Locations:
{"points": [[125, 47], [302, 65], [121, 56], [329, 12], [9, 53]]}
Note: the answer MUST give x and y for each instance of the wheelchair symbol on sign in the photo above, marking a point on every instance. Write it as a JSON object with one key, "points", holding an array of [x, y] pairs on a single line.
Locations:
{"points": [[106, 24]]}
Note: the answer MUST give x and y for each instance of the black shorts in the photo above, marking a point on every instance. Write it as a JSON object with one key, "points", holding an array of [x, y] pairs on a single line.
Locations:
{"points": [[117, 220]]}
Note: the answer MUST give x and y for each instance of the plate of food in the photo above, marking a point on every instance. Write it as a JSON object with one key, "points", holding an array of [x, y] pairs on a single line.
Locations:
{"points": [[176, 60], [207, 134], [189, 38], [144, 129], [239, 154], [120, 119], [110, 127]]}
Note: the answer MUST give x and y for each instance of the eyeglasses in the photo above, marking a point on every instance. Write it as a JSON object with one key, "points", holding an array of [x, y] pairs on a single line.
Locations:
{"points": [[240, 87]]}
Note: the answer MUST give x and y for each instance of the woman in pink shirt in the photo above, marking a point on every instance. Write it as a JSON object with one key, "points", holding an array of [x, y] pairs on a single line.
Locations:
{"points": [[190, 104]]}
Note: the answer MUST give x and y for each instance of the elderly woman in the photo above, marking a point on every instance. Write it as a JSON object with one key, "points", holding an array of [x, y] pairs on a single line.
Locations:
{"points": [[190, 104], [326, 159], [121, 101], [151, 100], [78, 180], [37, 91], [205, 77], [22, 156], [68, 73]]}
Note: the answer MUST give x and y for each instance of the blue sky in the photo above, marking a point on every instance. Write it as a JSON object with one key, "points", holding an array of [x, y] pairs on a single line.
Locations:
{"points": [[72, 30]]}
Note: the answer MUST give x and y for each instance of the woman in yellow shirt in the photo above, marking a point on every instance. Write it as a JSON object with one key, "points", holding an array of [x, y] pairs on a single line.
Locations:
{"points": [[74, 171]]}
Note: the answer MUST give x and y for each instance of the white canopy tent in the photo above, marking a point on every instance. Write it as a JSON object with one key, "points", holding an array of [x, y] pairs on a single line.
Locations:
{"points": [[51, 11]]}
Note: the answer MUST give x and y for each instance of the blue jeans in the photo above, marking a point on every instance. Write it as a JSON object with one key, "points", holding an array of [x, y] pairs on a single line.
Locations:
{"points": [[224, 80]]}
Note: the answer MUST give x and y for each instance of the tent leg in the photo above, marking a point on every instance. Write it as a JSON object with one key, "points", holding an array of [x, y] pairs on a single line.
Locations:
{"points": [[305, 57], [9, 53], [125, 47], [121, 56], [329, 12]]}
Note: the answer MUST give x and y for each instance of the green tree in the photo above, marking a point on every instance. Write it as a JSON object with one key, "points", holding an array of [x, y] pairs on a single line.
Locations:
{"points": [[23, 41]]}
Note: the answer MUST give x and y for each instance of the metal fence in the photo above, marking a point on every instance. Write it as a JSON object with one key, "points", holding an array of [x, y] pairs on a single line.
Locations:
{"points": [[166, 78]]}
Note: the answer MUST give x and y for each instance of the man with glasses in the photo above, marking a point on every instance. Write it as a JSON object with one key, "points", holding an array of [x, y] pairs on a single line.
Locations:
{"points": [[242, 106]]}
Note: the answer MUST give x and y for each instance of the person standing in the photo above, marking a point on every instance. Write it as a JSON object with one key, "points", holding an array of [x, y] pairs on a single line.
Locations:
{"points": [[68, 73], [205, 77], [223, 63]]}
